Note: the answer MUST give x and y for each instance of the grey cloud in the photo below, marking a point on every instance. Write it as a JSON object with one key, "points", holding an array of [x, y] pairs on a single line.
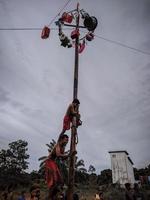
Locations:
{"points": [[4, 96], [147, 10], [146, 45]]}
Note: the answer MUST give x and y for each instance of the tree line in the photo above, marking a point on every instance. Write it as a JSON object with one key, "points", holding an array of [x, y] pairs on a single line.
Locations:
{"points": [[14, 163]]}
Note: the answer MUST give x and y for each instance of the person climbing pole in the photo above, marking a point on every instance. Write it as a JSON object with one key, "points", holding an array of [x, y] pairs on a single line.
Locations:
{"points": [[72, 110], [54, 177]]}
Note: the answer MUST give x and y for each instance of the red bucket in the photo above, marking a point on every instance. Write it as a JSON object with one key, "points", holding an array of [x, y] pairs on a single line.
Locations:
{"points": [[75, 34], [45, 32], [90, 36], [67, 18], [81, 47]]}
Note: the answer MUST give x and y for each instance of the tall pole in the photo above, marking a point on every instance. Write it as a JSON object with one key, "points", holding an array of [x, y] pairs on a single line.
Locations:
{"points": [[76, 66], [74, 128]]}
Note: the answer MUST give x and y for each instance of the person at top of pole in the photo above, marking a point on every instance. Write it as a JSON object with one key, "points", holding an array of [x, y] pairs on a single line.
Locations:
{"points": [[72, 110]]}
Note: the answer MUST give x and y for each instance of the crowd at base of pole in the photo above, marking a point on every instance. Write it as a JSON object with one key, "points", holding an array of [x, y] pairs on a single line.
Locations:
{"points": [[36, 193]]}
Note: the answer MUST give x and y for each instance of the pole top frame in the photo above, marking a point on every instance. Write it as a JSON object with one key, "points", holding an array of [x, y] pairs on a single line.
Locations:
{"points": [[89, 22]]}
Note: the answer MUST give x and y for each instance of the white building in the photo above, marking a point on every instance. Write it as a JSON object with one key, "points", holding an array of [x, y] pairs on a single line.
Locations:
{"points": [[122, 167]]}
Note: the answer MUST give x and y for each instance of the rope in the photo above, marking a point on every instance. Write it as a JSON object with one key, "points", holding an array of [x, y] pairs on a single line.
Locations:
{"points": [[59, 12], [29, 29], [77, 139], [120, 44], [100, 37], [123, 45]]}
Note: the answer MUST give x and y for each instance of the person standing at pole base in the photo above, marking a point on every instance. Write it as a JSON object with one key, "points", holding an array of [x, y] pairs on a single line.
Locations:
{"points": [[72, 110], [54, 177], [128, 192]]}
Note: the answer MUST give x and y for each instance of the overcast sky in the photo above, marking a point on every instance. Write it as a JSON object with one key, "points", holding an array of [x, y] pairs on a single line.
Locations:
{"points": [[36, 80]]}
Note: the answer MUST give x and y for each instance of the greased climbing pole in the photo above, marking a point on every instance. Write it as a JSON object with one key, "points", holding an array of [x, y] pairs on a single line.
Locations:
{"points": [[73, 128], [90, 23]]}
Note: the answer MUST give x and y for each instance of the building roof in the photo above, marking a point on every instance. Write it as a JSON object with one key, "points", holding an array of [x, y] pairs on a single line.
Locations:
{"points": [[123, 151], [119, 152], [130, 160]]}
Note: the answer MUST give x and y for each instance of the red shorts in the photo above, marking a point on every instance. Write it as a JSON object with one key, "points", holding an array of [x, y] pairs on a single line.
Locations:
{"points": [[66, 123], [53, 175]]}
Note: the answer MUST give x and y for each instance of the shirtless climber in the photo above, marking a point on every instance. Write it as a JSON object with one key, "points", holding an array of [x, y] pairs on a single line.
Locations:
{"points": [[72, 110]]}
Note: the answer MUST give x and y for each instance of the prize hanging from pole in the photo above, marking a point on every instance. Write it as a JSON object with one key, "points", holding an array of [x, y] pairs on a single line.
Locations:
{"points": [[68, 19]]}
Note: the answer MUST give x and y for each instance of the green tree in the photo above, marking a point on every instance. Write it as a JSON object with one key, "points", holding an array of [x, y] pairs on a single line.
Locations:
{"points": [[79, 165], [105, 177], [141, 172], [35, 176], [91, 169], [92, 176], [13, 161], [81, 175], [43, 158]]}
